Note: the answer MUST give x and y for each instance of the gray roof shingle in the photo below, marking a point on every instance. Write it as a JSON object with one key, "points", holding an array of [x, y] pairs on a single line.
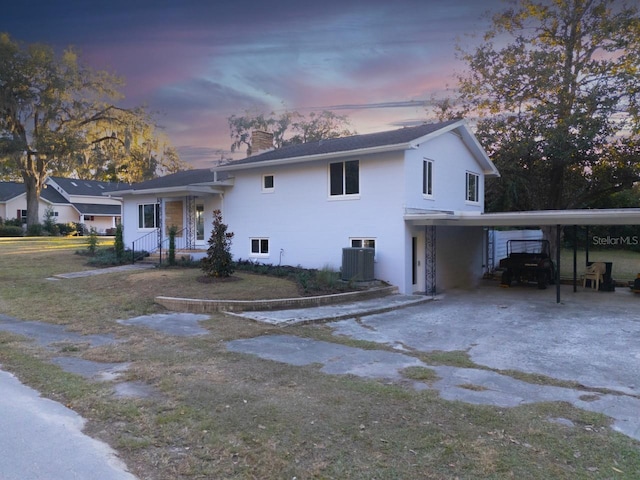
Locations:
{"points": [[88, 187], [178, 179], [346, 144]]}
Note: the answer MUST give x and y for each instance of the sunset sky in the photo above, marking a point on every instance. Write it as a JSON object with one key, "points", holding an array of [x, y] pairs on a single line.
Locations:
{"points": [[197, 62]]}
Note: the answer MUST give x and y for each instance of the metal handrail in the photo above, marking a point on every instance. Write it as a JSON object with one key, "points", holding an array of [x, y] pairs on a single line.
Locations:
{"points": [[147, 244]]}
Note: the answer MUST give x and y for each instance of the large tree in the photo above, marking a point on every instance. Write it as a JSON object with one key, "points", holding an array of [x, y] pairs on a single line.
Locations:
{"points": [[288, 128], [58, 115], [556, 85]]}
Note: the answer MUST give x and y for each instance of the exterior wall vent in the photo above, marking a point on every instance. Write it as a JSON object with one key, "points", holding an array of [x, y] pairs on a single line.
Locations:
{"points": [[357, 264]]}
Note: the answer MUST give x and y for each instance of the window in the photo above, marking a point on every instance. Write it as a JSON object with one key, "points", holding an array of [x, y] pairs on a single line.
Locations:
{"points": [[22, 215], [427, 178], [267, 183], [344, 178], [363, 242], [259, 246], [472, 187], [148, 215]]}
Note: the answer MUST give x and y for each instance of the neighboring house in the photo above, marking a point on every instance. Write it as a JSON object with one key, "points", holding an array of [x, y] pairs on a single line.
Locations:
{"points": [[301, 205], [71, 200]]}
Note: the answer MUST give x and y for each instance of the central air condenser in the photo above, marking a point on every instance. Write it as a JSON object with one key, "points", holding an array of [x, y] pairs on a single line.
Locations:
{"points": [[357, 264]]}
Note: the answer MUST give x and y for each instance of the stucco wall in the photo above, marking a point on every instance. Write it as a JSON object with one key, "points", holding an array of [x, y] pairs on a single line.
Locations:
{"points": [[459, 254], [451, 160], [305, 226]]}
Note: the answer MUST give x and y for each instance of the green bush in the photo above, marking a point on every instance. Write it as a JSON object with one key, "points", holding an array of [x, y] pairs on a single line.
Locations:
{"points": [[10, 231], [34, 230], [119, 243], [67, 228], [92, 241], [218, 262]]}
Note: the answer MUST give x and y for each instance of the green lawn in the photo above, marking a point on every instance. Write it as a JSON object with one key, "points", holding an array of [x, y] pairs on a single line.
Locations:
{"points": [[626, 264], [223, 415]]}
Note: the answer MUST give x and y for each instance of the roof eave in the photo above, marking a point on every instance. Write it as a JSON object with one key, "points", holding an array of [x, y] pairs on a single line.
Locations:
{"points": [[629, 216], [164, 191], [310, 158]]}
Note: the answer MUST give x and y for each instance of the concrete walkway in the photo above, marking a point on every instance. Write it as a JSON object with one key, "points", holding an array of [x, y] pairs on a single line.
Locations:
{"points": [[42, 440], [102, 271]]}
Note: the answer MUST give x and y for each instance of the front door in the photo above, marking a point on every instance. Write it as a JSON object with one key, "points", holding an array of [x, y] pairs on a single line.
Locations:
{"points": [[200, 223]]}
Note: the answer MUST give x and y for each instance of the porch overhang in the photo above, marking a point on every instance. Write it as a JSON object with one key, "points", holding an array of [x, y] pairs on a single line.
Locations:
{"points": [[620, 216], [183, 190]]}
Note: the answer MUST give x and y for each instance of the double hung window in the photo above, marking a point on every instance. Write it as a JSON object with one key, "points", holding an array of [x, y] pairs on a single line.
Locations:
{"points": [[148, 215], [427, 178], [259, 247], [344, 178], [473, 185]]}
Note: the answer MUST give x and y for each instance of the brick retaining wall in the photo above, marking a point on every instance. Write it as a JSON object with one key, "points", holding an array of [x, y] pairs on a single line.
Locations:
{"points": [[193, 305]]}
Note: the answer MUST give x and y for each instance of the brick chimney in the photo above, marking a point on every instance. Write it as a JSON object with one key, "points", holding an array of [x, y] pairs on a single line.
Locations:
{"points": [[260, 142]]}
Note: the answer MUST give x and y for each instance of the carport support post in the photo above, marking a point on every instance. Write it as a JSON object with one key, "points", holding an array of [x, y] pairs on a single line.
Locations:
{"points": [[557, 263], [575, 258]]}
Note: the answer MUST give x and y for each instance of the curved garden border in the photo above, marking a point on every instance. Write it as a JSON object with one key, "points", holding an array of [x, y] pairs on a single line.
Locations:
{"points": [[193, 305]]}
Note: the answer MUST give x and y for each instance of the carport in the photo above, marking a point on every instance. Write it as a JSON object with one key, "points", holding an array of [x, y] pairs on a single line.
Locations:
{"points": [[558, 218]]}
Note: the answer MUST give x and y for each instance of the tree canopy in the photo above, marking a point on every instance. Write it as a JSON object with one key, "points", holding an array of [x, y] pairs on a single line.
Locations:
{"points": [[288, 128], [58, 116], [556, 87]]}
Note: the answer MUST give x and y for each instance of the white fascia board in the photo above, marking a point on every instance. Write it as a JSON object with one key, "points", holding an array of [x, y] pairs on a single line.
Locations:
{"points": [[471, 142], [311, 158], [628, 216], [186, 189]]}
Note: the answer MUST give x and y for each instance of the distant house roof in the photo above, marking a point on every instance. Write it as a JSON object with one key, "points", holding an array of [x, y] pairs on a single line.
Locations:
{"points": [[399, 139], [97, 209], [53, 196], [87, 187], [10, 190]]}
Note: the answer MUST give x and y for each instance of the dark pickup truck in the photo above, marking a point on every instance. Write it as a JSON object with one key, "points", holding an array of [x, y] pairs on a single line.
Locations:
{"points": [[528, 261]]}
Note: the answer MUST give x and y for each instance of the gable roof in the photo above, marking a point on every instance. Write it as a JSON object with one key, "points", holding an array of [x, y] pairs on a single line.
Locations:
{"points": [[393, 140], [201, 179], [11, 190]]}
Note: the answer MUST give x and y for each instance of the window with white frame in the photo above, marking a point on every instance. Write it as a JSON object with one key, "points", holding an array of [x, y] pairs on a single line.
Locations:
{"points": [[427, 178], [267, 183], [259, 247], [473, 185], [344, 178], [148, 215], [363, 242]]}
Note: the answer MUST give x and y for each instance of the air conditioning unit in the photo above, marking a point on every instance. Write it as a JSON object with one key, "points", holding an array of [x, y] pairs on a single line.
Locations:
{"points": [[357, 264]]}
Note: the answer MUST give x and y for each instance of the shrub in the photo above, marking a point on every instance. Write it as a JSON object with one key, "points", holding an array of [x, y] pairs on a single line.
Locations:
{"points": [[173, 230], [48, 224], [10, 231], [92, 241], [218, 262], [119, 243], [34, 230], [67, 228]]}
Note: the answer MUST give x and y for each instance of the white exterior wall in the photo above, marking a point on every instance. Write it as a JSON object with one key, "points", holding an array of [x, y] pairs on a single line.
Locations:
{"points": [[131, 231], [451, 160], [459, 257], [307, 227]]}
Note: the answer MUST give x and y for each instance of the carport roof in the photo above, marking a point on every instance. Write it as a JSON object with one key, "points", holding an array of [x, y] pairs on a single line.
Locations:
{"points": [[620, 216]]}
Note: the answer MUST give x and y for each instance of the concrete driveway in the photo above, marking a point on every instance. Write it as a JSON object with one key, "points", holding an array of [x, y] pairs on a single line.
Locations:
{"points": [[592, 338]]}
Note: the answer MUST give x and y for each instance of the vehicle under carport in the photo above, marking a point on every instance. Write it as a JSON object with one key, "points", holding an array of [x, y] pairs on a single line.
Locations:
{"points": [[554, 218]]}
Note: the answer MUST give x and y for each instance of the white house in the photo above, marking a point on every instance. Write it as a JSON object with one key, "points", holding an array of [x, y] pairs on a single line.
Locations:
{"points": [[301, 205], [71, 200]]}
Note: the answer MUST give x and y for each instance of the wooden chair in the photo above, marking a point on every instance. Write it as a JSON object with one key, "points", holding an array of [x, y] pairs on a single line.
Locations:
{"points": [[595, 274]]}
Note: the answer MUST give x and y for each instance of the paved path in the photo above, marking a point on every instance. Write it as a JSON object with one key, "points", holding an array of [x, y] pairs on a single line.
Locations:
{"points": [[102, 271], [42, 440]]}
